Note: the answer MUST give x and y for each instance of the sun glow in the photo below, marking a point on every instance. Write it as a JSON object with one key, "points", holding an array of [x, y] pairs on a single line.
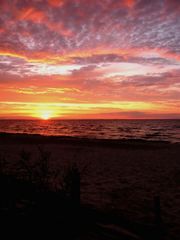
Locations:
{"points": [[46, 115]]}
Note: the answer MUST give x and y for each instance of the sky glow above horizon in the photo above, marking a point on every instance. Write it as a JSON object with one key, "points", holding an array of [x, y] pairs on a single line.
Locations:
{"points": [[89, 59]]}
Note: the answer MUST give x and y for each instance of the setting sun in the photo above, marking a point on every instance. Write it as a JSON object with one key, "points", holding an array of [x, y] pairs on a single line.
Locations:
{"points": [[45, 115]]}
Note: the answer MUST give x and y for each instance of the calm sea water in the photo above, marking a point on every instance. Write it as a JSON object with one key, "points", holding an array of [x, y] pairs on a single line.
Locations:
{"points": [[167, 130]]}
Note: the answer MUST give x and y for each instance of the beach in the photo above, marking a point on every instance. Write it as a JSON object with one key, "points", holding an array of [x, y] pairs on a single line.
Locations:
{"points": [[122, 176]]}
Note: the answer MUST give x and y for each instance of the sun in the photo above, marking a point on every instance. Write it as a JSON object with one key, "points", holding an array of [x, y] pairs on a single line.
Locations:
{"points": [[46, 116], [45, 112]]}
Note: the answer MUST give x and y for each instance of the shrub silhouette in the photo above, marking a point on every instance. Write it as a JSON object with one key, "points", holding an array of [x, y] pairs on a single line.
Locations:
{"points": [[37, 171], [71, 184], [25, 164], [43, 168]]}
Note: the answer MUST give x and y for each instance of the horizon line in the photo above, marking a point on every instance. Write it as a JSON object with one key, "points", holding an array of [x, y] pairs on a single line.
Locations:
{"points": [[74, 119]]}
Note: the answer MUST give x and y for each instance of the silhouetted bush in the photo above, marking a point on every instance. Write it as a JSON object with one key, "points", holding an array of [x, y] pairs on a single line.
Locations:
{"points": [[71, 183], [25, 165], [43, 168]]}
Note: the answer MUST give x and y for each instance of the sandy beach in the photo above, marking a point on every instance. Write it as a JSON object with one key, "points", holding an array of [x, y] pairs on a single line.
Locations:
{"points": [[122, 176]]}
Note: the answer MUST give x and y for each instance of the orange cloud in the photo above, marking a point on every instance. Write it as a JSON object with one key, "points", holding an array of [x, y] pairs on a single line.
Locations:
{"points": [[36, 16], [68, 57], [129, 3], [9, 53], [56, 3], [59, 28], [33, 90], [1, 30], [43, 57], [31, 14]]}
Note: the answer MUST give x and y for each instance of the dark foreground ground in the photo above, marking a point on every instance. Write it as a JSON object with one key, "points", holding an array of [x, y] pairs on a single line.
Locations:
{"points": [[129, 189]]}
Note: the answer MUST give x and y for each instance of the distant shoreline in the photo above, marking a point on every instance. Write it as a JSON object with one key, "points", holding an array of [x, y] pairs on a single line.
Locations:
{"points": [[14, 138], [91, 119]]}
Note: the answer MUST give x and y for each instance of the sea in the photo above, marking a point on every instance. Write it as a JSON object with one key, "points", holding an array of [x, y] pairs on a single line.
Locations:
{"points": [[150, 130]]}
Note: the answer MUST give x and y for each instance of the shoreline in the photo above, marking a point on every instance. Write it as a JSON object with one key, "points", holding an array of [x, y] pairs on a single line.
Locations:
{"points": [[13, 138]]}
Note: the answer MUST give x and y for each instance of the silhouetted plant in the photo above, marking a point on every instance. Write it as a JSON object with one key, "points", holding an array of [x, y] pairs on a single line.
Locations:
{"points": [[43, 167], [36, 171], [25, 164], [40, 172], [71, 183]]}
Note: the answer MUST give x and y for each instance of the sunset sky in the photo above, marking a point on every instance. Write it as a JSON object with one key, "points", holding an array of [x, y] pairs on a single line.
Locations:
{"points": [[89, 59]]}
